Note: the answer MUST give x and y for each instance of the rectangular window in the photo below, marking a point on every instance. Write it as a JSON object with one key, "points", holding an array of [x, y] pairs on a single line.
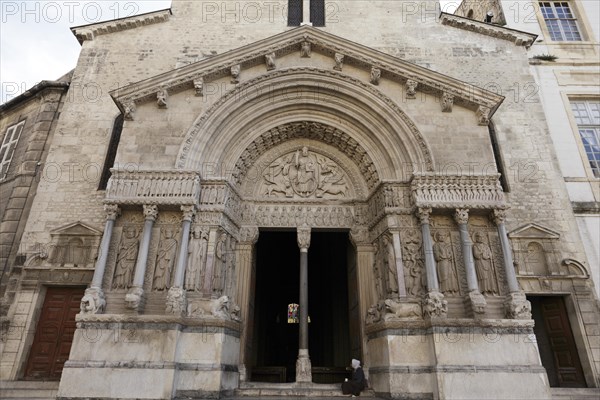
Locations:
{"points": [[560, 20], [587, 116], [317, 12], [11, 138], [295, 11]]}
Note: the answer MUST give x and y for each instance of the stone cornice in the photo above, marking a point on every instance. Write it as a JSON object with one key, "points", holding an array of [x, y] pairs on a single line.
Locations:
{"points": [[89, 32], [291, 41], [519, 38]]}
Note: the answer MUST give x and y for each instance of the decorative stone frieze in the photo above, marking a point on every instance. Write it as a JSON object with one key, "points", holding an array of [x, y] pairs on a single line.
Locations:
{"points": [[153, 187], [284, 215], [517, 37], [457, 191]]}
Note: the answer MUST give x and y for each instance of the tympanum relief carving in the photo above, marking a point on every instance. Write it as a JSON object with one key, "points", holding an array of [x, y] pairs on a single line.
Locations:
{"points": [[304, 174]]}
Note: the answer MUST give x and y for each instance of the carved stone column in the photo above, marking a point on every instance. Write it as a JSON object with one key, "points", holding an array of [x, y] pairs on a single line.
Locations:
{"points": [[399, 264], [93, 301], [135, 298], [245, 283], [303, 366], [434, 304], [516, 305], [210, 261], [476, 299], [306, 13], [176, 298]]}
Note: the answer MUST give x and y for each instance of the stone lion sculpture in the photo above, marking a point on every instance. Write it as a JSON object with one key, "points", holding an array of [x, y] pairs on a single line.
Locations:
{"points": [[401, 310], [217, 308], [92, 304]]}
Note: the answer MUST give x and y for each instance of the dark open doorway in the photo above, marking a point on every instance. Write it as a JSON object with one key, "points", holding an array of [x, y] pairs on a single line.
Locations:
{"points": [[555, 341], [275, 345]]}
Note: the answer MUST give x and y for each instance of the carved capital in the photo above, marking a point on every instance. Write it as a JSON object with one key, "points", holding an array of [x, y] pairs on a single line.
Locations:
{"points": [[235, 73], [483, 115], [499, 216], [411, 89], [176, 301], [270, 61], [461, 216], [359, 236], [112, 211], [134, 300], [304, 238], [129, 109], [375, 76], [447, 102], [249, 234], [199, 86], [305, 50], [188, 212], [423, 215], [339, 61], [517, 306], [161, 98], [434, 305], [150, 212], [93, 301], [478, 303]]}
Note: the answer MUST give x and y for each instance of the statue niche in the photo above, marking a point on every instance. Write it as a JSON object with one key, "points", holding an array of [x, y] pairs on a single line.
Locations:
{"points": [[304, 174]]}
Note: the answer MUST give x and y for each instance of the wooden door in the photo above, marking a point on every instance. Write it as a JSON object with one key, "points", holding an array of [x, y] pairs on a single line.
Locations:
{"points": [[556, 343], [54, 334]]}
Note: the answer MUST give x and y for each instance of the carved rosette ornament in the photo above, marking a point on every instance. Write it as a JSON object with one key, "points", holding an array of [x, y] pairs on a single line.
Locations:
{"points": [[339, 61], [176, 301], [249, 235], [483, 115], [270, 61], [199, 86], [434, 305], [423, 215], [150, 212], [235, 74], [93, 301], [305, 50], [461, 216], [447, 102], [304, 238], [411, 89], [375, 76], [517, 306], [129, 109]]}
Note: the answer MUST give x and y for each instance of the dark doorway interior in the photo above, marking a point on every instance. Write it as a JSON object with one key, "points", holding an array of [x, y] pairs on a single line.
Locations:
{"points": [[555, 342], [275, 346]]}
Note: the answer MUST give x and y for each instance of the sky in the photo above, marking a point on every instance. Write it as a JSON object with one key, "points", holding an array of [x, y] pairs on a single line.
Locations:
{"points": [[36, 43]]}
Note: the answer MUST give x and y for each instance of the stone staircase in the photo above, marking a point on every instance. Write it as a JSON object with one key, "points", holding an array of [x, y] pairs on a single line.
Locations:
{"points": [[30, 390], [575, 394]]}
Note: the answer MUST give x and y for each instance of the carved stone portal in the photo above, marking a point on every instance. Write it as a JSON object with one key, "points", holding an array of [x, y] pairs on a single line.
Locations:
{"points": [[304, 174]]}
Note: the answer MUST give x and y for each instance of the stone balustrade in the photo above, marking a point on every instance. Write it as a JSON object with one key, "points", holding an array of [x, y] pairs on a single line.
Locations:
{"points": [[153, 187], [457, 191]]}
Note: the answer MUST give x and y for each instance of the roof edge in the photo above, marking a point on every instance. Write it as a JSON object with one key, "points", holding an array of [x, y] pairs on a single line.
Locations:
{"points": [[30, 93]]}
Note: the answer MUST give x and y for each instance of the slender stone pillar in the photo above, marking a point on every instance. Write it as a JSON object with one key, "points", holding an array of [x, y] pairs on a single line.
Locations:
{"points": [[210, 261], [93, 301], [134, 299], [399, 264], [245, 288], [516, 305], [434, 304], [303, 366], [476, 299], [306, 13], [176, 298]]}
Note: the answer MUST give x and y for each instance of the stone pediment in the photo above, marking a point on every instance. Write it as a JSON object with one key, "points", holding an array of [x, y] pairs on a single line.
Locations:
{"points": [[533, 231], [305, 41], [76, 229]]}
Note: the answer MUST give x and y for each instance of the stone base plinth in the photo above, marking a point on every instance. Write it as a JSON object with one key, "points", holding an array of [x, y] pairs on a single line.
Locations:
{"points": [[456, 359], [145, 357]]}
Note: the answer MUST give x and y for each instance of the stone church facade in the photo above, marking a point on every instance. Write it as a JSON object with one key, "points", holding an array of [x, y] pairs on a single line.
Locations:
{"points": [[254, 160]]}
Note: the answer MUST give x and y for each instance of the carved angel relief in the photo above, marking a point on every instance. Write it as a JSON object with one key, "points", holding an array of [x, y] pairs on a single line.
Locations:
{"points": [[304, 174]]}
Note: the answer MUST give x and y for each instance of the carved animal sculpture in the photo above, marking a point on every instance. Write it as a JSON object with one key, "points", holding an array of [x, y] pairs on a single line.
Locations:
{"points": [[92, 304], [396, 310], [218, 308]]}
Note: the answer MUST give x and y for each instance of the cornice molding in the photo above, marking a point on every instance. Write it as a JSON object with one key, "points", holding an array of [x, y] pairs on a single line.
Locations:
{"points": [[519, 38], [292, 41], [89, 32]]}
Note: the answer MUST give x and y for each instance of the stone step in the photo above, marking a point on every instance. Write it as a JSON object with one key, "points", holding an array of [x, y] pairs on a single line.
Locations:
{"points": [[28, 390], [250, 390], [575, 393]]}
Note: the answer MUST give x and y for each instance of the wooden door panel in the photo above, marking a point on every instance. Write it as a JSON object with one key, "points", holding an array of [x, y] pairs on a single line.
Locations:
{"points": [[54, 334]]}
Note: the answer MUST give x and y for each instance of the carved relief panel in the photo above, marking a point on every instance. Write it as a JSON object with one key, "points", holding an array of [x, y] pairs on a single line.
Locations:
{"points": [[535, 251], [412, 258], [123, 252], [197, 252], [74, 246], [162, 255], [447, 251], [487, 256]]}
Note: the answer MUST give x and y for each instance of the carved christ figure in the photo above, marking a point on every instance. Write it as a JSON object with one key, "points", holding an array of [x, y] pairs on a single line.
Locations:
{"points": [[483, 265], [306, 179], [126, 258], [442, 251], [165, 259]]}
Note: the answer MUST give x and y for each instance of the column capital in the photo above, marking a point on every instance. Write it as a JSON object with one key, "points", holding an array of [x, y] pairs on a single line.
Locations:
{"points": [[423, 213], [112, 211], [304, 237], [188, 213], [499, 216], [461, 216], [249, 234], [150, 212], [360, 236]]}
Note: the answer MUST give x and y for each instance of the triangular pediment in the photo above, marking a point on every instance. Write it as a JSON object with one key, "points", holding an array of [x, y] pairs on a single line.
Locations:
{"points": [[76, 229], [533, 231], [295, 40]]}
